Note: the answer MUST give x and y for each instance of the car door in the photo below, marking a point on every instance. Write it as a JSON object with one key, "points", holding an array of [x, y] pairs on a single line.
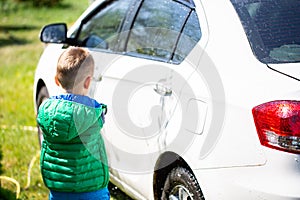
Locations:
{"points": [[137, 82], [99, 32], [140, 74], [143, 84]]}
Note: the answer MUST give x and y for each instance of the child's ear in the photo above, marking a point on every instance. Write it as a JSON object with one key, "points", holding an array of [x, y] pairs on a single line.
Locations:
{"points": [[87, 82], [56, 81]]}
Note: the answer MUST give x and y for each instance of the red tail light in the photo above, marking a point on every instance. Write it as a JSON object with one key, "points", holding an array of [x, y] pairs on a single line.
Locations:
{"points": [[278, 125]]}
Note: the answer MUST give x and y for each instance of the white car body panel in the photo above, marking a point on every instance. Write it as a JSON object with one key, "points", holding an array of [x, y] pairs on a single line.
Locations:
{"points": [[228, 164]]}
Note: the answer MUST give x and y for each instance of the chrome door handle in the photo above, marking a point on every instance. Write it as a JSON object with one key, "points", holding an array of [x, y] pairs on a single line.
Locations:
{"points": [[162, 90]]}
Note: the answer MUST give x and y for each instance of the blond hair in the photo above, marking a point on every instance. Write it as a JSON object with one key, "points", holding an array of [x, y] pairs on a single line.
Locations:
{"points": [[74, 65]]}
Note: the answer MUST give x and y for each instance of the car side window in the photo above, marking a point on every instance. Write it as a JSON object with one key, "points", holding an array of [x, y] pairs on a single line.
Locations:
{"points": [[156, 29], [101, 30], [190, 36]]}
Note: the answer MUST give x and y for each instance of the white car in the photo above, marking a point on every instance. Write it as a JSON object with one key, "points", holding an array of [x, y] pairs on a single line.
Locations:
{"points": [[203, 95]]}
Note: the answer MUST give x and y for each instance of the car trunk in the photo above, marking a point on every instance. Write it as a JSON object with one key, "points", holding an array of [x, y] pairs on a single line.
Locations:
{"points": [[291, 70]]}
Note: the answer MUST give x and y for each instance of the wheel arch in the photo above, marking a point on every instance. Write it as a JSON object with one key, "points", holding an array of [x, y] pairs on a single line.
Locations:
{"points": [[39, 86], [41, 89], [164, 164]]}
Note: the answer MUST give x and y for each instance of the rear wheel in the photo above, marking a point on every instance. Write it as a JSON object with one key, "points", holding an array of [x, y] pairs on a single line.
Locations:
{"points": [[42, 96], [181, 184]]}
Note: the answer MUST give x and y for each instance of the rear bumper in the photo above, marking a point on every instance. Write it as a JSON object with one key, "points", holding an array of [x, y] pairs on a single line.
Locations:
{"points": [[277, 179]]}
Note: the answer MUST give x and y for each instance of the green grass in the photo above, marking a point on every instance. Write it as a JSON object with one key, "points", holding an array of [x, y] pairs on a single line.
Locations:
{"points": [[20, 50], [19, 148]]}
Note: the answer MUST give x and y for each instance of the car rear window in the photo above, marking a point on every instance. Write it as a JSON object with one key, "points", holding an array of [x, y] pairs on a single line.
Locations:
{"points": [[272, 28]]}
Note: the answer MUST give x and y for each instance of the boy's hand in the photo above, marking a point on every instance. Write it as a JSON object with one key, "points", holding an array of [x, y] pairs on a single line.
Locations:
{"points": [[104, 111]]}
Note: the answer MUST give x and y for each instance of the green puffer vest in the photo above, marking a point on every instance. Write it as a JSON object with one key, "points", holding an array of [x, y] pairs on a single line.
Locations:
{"points": [[73, 157]]}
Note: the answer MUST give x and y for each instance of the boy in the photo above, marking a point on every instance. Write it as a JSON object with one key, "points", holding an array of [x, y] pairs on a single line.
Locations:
{"points": [[73, 158]]}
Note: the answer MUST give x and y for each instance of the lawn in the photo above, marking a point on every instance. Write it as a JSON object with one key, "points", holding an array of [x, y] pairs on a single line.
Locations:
{"points": [[20, 50]]}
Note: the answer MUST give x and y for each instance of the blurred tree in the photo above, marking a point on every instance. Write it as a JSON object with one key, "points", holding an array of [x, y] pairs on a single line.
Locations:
{"points": [[2, 4]]}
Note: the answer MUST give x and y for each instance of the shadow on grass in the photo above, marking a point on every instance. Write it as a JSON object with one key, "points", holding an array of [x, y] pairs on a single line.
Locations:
{"points": [[4, 193], [7, 194], [63, 5], [6, 28], [12, 41], [9, 38], [12, 6], [115, 193], [49, 4]]}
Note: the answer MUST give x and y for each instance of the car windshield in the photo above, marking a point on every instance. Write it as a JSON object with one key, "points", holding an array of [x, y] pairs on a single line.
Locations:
{"points": [[272, 28]]}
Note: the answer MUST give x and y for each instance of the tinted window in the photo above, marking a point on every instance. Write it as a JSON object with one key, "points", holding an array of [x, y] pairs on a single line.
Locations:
{"points": [[101, 30], [272, 27], [157, 28]]}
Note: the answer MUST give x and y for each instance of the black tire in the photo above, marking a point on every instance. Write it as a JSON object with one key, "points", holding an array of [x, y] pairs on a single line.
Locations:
{"points": [[181, 184], [42, 96]]}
